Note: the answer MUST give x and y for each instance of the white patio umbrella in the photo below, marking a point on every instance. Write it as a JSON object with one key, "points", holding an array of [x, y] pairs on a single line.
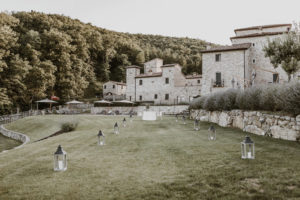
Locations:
{"points": [[74, 102], [103, 102], [124, 101], [44, 101]]}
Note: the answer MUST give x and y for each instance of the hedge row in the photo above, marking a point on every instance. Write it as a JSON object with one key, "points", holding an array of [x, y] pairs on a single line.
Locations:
{"points": [[272, 97]]}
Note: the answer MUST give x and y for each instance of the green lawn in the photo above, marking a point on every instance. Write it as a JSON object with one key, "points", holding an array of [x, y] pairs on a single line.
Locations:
{"points": [[148, 160]]}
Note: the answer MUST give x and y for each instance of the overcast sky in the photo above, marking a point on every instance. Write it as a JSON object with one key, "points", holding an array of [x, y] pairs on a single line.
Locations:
{"points": [[211, 20]]}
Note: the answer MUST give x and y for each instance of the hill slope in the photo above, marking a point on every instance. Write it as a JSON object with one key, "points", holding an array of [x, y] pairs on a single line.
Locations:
{"points": [[41, 54]]}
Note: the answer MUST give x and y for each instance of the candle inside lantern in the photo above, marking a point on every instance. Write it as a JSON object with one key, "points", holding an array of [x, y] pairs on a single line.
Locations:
{"points": [[211, 137], [60, 164], [249, 154]]}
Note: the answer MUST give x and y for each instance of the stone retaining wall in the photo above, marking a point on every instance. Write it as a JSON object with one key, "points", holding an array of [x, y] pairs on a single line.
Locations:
{"points": [[165, 109], [283, 127], [15, 135]]}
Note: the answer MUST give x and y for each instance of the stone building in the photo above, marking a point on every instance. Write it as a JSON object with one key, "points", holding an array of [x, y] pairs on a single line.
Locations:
{"points": [[243, 63], [161, 84], [114, 90]]}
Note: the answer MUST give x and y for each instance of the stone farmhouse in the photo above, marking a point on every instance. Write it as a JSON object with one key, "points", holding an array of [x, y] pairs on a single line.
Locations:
{"points": [[114, 90], [243, 63], [161, 84]]}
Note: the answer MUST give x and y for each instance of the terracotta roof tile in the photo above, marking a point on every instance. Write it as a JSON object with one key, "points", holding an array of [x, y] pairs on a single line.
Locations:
{"points": [[262, 26], [258, 34], [133, 66], [234, 47], [149, 75]]}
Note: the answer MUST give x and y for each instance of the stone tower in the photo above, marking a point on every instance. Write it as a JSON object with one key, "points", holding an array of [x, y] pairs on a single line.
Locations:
{"points": [[153, 66], [131, 73]]}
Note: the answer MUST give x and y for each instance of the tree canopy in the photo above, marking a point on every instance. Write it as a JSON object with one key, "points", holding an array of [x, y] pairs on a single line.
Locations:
{"points": [[44, 54]]}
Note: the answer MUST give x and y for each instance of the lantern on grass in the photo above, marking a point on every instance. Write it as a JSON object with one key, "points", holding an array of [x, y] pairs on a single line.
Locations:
{"points": [[130, 117], [116, 128], [196, 125], [247, 148], [124, 122], [183, 119], [176, 116], [60, 159], [101, 139], [212, 133]]}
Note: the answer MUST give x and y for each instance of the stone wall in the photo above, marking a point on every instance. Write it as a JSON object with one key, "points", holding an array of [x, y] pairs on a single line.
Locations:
{"points": [[14, 135], [136, 109], [283, 127]]}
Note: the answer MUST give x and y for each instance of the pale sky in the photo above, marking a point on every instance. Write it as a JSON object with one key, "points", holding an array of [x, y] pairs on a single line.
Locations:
{"points": [[210, 20]]}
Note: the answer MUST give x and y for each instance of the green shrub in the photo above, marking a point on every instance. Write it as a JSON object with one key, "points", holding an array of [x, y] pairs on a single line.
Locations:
{"points": [[69, 126], [272, 97], [209, 103]]}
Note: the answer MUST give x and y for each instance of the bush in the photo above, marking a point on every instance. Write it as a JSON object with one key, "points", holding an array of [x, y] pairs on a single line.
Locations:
{"points": [[209, 103], [69, 126], [273, 97]]}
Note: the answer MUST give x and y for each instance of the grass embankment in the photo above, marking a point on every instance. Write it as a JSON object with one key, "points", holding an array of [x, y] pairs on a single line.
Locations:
{"points": [[7, 143], [148, 160]]}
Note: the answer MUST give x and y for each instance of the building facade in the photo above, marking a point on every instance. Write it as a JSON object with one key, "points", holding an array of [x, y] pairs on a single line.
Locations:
{"points": [[114, 90], [242, 64], [161, 84]]}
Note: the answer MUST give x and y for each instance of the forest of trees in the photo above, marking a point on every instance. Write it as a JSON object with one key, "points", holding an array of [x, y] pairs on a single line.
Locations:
{"points": [[45, 54]]}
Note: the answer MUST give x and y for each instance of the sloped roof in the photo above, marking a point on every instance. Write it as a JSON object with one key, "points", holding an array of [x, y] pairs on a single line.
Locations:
{"points": [[117, 83], [259, 34], [262, 27], [149, 75], [234, 47], [133, 66]]}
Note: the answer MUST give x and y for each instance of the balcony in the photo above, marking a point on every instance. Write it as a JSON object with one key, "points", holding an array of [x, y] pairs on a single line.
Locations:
{"points": [[219, 83]]}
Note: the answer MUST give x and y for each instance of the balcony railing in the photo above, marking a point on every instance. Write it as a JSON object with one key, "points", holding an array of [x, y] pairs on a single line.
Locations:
{"points": [[219, 83]]}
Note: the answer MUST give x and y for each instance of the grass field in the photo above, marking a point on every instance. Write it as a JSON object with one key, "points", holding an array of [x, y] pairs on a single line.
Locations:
{"points": [[148, 160], [7, 143]]}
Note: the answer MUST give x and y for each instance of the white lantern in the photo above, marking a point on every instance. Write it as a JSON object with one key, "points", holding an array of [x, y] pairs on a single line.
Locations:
{"points": [[60, 159], [101, 138], [131, 117], [124, 122], [212, 133], [183, 119], [176, 116], [116, 128], [196, 125], [247, 147]]}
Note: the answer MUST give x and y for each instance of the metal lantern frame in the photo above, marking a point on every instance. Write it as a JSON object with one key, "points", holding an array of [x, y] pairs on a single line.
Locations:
{"points": [[124, 122], [101, 138], [196, 125], [60, 159], [183, 119], [212, 133], [116, 128], [248, 148], [131, 117]]}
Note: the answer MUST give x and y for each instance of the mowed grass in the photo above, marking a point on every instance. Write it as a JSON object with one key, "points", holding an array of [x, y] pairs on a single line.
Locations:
{"points": [[148, 160]]}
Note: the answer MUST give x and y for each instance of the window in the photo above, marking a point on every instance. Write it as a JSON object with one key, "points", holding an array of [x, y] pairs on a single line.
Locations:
{"points": [[141, 98], [253, 61], [141, 82], [198, 81], [167, 80], [218, 78], [121, 86], [155, 96], [104, 86], [253, 44], [114, 86], [129, 98], [167, 97], [218, 57], [275, 78]]}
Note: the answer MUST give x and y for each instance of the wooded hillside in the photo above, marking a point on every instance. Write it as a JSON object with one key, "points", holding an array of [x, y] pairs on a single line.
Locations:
{"points": [[44, 54]]}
